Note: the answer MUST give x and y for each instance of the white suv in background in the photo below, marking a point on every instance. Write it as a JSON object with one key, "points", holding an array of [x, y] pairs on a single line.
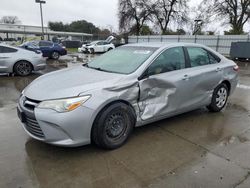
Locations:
{"points": [[98, 46]]}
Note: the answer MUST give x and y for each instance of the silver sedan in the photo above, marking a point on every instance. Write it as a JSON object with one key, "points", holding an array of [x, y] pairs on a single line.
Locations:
{"points": [[131, 86], [20, 61]]}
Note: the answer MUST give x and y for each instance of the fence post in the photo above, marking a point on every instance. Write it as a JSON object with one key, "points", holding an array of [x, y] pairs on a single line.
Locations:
{"points": [[248, 38], [178, 38], [161, 38], [218, 42], [195, 38], [148, 38], [137, 37]]}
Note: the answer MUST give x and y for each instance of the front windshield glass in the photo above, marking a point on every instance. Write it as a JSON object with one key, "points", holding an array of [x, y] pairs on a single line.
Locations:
{"points": [[123, 60], [93, 43]]}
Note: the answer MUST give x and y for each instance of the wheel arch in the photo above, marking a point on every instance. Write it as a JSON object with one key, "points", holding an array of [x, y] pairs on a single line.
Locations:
{"points": [[228, 84]]}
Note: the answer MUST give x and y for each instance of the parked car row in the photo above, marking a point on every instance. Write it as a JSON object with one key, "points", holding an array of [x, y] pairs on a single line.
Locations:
{"points": [[48, 48], [20, 61], [28, 57]]}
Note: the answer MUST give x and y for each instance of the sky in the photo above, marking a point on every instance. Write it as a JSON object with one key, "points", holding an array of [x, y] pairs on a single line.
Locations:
{"points": [[102, 13]]}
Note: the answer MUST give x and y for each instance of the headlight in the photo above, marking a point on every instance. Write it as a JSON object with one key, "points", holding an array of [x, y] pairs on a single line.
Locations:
{"points": [[64, 105]]}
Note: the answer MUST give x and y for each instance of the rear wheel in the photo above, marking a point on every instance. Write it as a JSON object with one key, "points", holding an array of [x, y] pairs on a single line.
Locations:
{"points": [[23, 68], [55, 55], [219, 98], [113, 126]]}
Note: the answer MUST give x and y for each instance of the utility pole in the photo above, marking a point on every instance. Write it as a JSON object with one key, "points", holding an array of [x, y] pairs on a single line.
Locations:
{"points": [[197, 26], [41, 11]]}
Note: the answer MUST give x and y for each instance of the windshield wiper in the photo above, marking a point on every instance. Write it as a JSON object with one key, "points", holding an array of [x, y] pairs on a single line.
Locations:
{"points": [[98, 68]]}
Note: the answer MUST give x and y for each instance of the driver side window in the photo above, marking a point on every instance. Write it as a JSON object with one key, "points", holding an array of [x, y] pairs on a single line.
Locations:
{"points": [[170, 60]]}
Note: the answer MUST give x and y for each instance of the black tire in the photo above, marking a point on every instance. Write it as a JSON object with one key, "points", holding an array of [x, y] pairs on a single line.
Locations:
{"points": [[219, 98], [91, 50], [113, 126], [23, 68], [55, 55]]}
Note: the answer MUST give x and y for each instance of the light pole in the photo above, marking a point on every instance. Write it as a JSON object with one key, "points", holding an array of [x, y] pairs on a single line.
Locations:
{"points": [[41, 11]]}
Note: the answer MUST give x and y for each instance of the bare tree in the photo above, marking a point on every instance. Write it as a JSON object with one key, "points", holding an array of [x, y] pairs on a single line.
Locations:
{"points": [[165, 11], [133, 14], [236, 13], [9, 20]]}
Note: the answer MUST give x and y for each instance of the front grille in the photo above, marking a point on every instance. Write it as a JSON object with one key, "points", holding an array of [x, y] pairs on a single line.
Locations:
{"points": [[30, 104], [33, 127]]}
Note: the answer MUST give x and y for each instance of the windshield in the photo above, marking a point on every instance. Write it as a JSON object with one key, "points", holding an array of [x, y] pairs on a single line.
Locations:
{"points": [[123, 60], [93, 43]]}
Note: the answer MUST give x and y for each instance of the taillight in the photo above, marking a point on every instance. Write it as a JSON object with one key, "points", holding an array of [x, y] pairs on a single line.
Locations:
{"points": [[236, 68]]}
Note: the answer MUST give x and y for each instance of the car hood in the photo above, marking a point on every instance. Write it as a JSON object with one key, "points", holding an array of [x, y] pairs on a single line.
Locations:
{"points": [[69, 83]]}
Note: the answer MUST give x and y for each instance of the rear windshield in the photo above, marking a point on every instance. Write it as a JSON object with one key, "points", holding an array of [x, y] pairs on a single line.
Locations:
{"points": [[123, 60]]}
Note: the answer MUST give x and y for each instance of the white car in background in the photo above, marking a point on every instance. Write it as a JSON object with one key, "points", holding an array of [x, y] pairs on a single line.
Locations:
{"points": [[98, 46]]}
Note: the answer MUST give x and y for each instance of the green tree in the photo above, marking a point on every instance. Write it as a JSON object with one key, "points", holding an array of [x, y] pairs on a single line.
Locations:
{"points": [[81, 26], [146, 30], [57, 26]]}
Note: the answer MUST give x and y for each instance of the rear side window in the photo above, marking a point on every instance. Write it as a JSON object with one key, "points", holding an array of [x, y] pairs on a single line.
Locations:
{"points": [[4, 49], [45, 44], [199, 57]]}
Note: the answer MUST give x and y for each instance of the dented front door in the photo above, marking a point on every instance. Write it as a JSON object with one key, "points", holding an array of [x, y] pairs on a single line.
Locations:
{"points": [[163, 94]]}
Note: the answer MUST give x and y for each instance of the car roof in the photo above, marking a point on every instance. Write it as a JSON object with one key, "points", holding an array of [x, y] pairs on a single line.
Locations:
{"points": [[163, 44]]}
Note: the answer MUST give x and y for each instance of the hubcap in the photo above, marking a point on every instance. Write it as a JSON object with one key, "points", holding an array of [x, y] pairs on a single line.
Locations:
{"points": [[55, 55], [221, 97], [23, 68], [115, 125]]}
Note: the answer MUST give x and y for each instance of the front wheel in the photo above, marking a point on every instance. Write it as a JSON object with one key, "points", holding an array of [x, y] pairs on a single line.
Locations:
{"points": [[113, 126], [219, 98]]}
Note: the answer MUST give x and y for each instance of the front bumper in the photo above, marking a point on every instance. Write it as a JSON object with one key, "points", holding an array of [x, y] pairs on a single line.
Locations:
{"points": [[63, 52], [63, 129]]}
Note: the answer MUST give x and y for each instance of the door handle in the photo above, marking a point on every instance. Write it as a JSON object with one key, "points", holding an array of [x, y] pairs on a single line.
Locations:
{"points": [[218, 69], [185, 77]]}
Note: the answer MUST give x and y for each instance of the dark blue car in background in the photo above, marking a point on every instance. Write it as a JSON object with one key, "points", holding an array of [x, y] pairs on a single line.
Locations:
{"points": [[48, 48]]}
